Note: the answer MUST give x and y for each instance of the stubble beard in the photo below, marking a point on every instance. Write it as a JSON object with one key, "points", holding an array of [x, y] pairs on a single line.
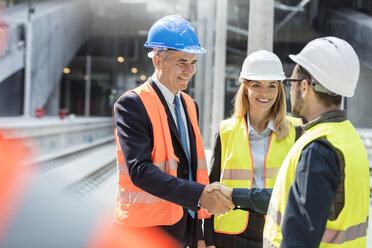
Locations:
{"points": [[298, 105]]}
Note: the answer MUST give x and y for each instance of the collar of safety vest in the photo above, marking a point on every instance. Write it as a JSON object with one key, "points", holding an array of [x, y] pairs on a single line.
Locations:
{"points": [[270, 127], [333, 116]]}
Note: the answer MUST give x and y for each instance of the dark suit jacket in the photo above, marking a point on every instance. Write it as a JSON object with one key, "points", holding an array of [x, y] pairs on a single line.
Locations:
{"points": [[135, 134]]}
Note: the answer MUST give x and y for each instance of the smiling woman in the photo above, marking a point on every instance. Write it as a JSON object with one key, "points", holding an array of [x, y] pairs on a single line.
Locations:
{"points": [[261, 95], [261, 76]]}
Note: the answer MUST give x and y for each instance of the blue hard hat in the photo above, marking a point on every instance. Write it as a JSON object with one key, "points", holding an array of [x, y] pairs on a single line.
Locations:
{"points": [[174, 32]]}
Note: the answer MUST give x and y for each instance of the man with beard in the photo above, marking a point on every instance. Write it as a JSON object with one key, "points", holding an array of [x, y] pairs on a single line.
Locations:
{"points": [[321, 196]]}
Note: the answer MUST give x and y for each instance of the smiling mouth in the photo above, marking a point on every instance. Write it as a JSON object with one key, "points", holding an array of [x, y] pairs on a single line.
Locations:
{"points": [[263, 100], [184, 78]]}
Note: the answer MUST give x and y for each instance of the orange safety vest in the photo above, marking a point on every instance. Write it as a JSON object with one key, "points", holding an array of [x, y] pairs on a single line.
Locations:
{"points": [[137, 208]]}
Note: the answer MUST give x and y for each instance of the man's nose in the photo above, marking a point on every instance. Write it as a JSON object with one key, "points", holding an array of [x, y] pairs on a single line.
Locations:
{"points": [[189, 69]]}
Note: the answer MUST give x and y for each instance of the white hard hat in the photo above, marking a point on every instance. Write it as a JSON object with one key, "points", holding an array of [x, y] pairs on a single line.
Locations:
{"points": [[332, 62], [262, 65]]}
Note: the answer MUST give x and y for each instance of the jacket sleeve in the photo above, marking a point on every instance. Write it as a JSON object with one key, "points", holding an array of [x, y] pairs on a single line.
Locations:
{"points": [[214, 176], [197, 110], [136, 139], [253, 200], [310, 196]]}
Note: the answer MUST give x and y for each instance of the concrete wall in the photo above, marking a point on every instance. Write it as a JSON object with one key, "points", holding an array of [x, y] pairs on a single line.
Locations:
{"points": [[58, 33], [12, 59], [59, 28], [359, 107], [50, 137], [353, 26], [356, 28], [11, 95]]}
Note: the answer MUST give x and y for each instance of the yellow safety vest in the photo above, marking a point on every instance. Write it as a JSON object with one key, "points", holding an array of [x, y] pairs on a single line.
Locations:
{"points": [[350, 228], [137, 208], [237, 167]]}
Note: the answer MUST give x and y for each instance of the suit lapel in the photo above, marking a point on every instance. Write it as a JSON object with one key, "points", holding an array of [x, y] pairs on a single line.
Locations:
{"points": [[174, 130], [172, 124]]}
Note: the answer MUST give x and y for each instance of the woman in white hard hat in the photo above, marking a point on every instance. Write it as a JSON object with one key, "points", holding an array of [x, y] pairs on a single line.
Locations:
{"points": [[249, 150]]}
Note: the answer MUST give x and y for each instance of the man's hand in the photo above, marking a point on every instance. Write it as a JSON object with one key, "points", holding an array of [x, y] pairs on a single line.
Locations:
{"points": [[214, 202], [226, 191], [201, 244]]}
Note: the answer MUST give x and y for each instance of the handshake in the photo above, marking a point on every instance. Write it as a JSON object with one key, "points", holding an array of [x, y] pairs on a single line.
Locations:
{"points": [[216, 198]]}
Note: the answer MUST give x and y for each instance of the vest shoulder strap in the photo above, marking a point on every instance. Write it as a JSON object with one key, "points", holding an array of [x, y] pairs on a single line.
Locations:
{"points": [[298, 131]]}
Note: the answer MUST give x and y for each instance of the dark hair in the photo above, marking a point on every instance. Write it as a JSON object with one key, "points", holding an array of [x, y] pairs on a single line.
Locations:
{"points": [[324, 98]]}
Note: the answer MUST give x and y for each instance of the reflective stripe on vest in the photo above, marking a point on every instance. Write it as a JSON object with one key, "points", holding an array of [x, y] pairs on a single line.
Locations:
{"points": [[137, 208], [237, 167], [350, 227]]}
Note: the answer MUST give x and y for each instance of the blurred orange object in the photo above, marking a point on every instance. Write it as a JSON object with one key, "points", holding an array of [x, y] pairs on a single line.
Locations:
{"points": [[12, 177], [127, 237]]}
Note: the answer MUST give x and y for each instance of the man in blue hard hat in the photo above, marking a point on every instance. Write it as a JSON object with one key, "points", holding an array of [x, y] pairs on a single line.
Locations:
{"points": [[161, 161]]}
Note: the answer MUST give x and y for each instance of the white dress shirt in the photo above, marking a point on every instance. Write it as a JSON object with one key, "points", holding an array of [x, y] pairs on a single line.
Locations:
{"points": [[169, 98], [259, 143]]}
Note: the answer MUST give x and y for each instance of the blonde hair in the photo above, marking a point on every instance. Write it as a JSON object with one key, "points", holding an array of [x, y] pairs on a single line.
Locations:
{"points": [[278, 110]]}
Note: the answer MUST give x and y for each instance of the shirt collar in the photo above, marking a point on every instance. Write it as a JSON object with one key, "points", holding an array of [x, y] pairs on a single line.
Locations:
{"points": [[270, 127], [168, 95], [333, 116]]}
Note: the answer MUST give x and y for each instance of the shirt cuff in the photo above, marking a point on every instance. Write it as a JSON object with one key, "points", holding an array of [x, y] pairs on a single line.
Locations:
{"points": [[239, 198]]}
